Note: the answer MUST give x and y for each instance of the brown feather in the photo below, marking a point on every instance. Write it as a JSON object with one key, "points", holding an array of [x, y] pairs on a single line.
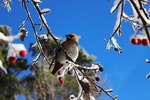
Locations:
{"points": [[58, 65], [71, 48]]}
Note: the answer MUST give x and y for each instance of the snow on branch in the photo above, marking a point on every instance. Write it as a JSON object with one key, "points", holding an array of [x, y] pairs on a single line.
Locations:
{"points": [[148, 75], [14, 50], [112, 42], [116, 5], [43, 24], [84, 82], [139, 19], [87, 84], [7, 4], [22, 34], [35, 32], [120, 6]]}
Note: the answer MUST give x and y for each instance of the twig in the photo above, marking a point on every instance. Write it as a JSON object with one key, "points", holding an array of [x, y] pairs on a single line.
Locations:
{"points": [[35, 33], [140, 16], [118, 27], [91, 80], [23, 23], [36, 5]]}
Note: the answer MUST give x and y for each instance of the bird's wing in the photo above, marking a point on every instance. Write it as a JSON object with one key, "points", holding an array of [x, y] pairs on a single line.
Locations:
{"points": [[56, 52], [58, 49]]}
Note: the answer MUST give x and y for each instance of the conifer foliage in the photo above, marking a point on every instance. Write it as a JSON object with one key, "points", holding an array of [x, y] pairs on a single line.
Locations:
{"points": [[10, 85]]}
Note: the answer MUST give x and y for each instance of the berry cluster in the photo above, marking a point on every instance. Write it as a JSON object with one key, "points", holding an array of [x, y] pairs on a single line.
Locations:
{"points": [[12, 59], [15, 51], [139, 39]]}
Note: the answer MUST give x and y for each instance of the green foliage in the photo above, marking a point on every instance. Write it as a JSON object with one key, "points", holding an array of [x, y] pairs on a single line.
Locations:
{"points": [[3, 45]]}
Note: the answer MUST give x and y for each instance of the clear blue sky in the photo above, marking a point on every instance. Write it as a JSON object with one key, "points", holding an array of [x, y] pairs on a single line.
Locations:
{"points": [[93, 21]]}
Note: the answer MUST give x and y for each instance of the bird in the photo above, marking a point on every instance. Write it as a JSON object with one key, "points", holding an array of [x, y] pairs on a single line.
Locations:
{"points": [[72, 49]]}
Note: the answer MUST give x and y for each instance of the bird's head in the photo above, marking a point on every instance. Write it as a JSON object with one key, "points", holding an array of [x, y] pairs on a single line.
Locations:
{"points": [[73, 37]]}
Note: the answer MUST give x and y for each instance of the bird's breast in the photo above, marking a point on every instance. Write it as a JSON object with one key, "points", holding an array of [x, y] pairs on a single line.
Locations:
{"points": [[72, 52]]}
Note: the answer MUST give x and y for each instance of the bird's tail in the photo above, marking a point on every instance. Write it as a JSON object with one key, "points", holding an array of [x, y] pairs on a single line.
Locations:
{"points": [[56, 67]]}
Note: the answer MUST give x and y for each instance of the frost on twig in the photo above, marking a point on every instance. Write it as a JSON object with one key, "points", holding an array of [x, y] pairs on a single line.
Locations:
{"points": [[147, 61], [118, 4], [45, 10], [23, 23], [117, 27], [84, 86], [87, 85], [139, 19], [38, 44], [148, 76], [37, 1], [22, 34], [112, 42], [7, 4], [36, 59]]}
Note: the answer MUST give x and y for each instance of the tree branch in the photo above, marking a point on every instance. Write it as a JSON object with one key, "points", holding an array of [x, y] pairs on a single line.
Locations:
{"points": [[35, 33]]}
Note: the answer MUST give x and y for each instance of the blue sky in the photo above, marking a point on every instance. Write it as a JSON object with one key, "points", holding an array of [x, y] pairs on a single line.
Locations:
{"points": [[93, 21]]}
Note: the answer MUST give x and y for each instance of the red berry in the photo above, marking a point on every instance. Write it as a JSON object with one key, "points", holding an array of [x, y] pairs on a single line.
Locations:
{"points": [[12, 60], [23, 53], [145, 41], [139, 41], [136, 41], [61, 80]]}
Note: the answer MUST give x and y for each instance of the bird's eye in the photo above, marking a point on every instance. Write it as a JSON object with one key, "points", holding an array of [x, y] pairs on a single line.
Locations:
{"points": [[71, 36]]}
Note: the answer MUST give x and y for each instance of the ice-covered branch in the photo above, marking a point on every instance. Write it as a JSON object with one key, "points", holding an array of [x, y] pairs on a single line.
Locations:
{"points": [[142, 15], [22, 34], [148, 75], [7, 4], [112, 42], [117, 27], [35, 32], [100, 88], [45, 36], [86, 84], [118, 4], [139, 19]]}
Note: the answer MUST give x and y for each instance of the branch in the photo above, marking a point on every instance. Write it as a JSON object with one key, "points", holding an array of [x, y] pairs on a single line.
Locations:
{"points": [[23, 23], [36, 5], [84, 81], [82, 78], [35, 33], [119, 17], [91, 80], [140, 15]]}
